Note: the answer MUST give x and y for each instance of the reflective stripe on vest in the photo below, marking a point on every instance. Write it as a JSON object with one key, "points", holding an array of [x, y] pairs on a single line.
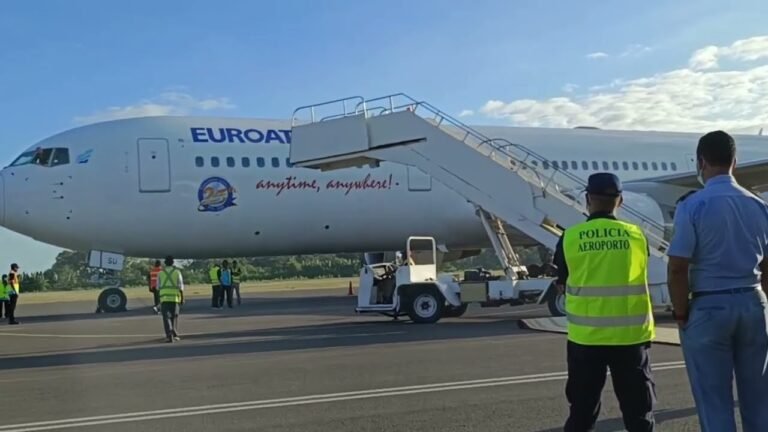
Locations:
{"points": [[213, 273], [169, 286], [607, 301]]}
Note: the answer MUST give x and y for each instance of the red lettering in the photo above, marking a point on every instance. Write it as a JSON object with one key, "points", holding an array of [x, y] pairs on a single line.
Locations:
{"points": [[292, 183]]}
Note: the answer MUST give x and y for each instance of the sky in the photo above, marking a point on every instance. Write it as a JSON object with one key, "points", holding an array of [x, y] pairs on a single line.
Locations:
{"points": [[663, 65]]}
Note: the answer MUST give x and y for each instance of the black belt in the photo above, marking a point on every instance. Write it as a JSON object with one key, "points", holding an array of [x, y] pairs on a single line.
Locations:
{"points": [[724, 291]]}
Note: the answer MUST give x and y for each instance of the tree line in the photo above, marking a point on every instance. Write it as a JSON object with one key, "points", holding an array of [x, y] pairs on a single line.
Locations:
{"points": [[69, 271]]}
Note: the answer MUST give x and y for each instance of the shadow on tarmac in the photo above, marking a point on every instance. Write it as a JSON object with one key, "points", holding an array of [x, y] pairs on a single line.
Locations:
{"points": [[278, 339], [617, 424], [252, 306]]}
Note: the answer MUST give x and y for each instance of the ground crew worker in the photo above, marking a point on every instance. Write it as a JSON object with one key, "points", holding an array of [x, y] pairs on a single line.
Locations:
{"points": [[225, 279], [153, 272], [236, 275], [14, 281], [4, 291], [171, 289], [213, 275], [718, 257], [602, 266]]}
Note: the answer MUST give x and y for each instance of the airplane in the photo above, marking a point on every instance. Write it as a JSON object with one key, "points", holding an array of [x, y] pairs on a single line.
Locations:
{"points": [[202, 187]]}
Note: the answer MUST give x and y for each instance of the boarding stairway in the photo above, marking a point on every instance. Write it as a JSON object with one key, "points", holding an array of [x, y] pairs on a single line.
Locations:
{"points": [[502, 179]]}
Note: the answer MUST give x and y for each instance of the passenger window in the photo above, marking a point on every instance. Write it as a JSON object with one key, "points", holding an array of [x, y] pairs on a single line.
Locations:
{"points": [[60, 157], [673, 166], [595, 166], [615, 165], [584, 165], [654, 166], [199, 161], [605, 166], [625, 165], [555, 165], [230, 161], [634, 166], [545, 164], [564, 165], [663, 166], [275, 162], [574, 165], [215, 162], [245, 162], [645, 166], [260, 162]]}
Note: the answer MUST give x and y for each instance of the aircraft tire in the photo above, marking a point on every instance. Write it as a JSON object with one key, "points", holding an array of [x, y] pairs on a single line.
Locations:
{"points": [[425, 304], [556, 302], [112, 300], [455, 311]]}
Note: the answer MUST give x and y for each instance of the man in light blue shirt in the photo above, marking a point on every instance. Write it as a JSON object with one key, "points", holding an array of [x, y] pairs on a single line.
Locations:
{"points": [[717, 258]]}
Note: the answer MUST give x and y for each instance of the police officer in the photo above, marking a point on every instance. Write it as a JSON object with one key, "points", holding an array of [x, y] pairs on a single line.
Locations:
{"points": [[602, 266], [718, 279], [213, 275], [171, 289], [237, 273], [14, 281]]}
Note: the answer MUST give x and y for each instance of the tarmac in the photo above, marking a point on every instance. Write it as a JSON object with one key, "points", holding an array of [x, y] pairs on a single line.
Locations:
{"points": [[300, 361]]}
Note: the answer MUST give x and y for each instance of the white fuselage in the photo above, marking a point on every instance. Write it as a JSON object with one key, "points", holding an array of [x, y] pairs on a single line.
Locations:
{"points": [[150, 187]]}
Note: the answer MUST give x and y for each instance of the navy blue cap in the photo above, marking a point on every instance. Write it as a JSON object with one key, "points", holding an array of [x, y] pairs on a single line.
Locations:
{"points": [[607, 184]]}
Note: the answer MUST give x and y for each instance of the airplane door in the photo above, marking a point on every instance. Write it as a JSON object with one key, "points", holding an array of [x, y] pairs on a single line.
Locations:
{"points": [[154, 165], [418, 181]]}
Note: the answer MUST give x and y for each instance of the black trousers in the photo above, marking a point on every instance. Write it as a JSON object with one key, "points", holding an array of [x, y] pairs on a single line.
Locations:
{"points": [[170, 313], [3, 308], [632, 382], [215, 294], [156, 297], [10, 308], [226, 289]]}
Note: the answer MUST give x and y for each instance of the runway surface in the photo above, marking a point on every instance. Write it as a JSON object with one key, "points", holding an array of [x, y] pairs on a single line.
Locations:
{"points": [[298, 362]]}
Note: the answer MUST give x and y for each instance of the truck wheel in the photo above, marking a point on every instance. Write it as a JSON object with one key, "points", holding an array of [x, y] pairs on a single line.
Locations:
{"points": [[425, 305], [112, 300], [452, 311], [556, 302]]}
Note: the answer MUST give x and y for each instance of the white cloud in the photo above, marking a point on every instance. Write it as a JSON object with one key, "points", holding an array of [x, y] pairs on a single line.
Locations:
{"points": [[569, 87], [466, 113], [635, 50], [690, 99], [751, 49], [597, 55], [168, 103]]}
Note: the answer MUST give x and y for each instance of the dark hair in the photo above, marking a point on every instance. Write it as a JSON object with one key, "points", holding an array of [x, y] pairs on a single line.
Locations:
{"points": [[225, 262], [717, 149], [603, 203], [14, 266], [157, 263], [169, 260]]}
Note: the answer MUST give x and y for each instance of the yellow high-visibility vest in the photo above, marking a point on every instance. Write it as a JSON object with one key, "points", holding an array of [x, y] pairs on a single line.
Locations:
{"points": [[5, 290], [213, 273], [168, 282], [607, 300]]}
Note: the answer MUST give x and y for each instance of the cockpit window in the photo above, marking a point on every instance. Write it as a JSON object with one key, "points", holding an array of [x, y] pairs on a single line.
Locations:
{"points": [[60, 157], [43, 157]]}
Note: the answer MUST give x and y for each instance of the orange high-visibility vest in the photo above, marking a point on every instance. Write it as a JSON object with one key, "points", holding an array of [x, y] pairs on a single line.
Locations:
{"points": [[153, 277]]}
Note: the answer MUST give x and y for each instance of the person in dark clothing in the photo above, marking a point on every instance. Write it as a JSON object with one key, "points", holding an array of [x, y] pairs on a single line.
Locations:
{"points": [[602, 269], [225, 279]]}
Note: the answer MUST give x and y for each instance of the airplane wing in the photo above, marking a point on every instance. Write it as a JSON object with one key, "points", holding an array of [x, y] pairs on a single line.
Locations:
{"points": [[751, 175]]}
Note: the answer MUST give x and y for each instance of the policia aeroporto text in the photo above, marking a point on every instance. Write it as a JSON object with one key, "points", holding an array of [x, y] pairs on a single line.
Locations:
{"points": [[603, 265]]}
